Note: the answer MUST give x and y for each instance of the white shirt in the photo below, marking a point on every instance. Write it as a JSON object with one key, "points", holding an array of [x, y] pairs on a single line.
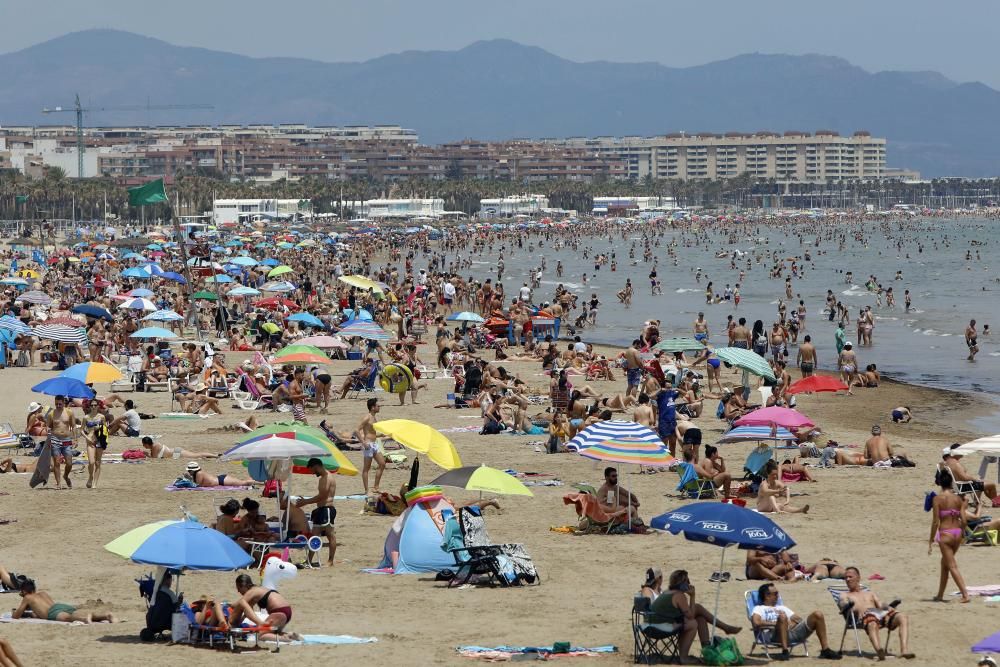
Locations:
{"points": [[449, 290], [525, 293], [580, 347], [769, 615]]}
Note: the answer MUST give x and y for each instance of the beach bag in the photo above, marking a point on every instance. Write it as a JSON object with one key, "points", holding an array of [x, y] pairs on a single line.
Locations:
{"points": [[183, 483], [491, 427], [180, 628], [722, 652], [272, 488], [133, 454]]}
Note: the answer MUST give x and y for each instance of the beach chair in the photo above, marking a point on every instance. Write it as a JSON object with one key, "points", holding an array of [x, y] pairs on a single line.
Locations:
{"points": [[505, 564], [967, 489], [560, 400], [213, 635], [366, 385], [975, 533], [852, 619], [654, 642], [255, 399], [693, 486], [764, 637], [130, 373]]}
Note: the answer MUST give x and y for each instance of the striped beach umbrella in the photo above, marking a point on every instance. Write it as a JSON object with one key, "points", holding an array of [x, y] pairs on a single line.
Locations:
{"points": [[756, 433], [35, 297], [61, 333], [165, 315], [15, 325], [243, 290], [747, 360], [364, 329], [615, 429], [629, 451], [677, 345], [278, 286], [138, 304], [302, 354]]}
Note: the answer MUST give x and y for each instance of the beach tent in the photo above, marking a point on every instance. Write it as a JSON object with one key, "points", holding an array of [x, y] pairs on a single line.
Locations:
{"points": [[416, 536]]}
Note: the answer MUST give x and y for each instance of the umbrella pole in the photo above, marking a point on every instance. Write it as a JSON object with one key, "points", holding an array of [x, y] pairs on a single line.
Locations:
{"points": [[718, 591]]}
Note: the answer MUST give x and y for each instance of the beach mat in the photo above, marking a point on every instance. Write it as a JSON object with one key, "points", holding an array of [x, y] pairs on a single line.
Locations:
{"points": [[316, 640], [543, 652], [7, 618], [207, 488], [989, 645]]}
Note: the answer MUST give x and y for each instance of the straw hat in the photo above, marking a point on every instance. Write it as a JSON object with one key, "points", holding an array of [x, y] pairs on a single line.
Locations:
{"points": [[193, 467]]}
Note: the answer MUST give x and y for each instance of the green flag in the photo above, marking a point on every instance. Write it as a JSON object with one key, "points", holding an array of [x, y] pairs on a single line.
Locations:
{"points": [[149, 193], [21, 199]]}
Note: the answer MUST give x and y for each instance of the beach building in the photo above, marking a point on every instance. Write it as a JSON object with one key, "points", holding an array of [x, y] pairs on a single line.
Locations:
{"points": [[229, 211], [398, 208], [510, 206], [631, 205]]}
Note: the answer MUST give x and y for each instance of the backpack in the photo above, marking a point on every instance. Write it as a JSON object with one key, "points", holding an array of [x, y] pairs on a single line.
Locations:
{"points": [[723, 651]]}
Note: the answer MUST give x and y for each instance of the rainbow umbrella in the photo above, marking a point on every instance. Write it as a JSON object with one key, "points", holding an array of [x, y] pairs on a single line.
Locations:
{"points": [[629, 451], [305, 434], [180, 545], [302, 354]]}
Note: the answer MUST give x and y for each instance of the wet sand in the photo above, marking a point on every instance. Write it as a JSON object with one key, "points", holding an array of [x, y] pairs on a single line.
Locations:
{"points": [[869, 518]]}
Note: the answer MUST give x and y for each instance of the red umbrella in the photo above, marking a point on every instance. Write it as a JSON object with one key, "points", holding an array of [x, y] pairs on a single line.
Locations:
{"points": [[815, 383], [275, 302], [68, 321]]}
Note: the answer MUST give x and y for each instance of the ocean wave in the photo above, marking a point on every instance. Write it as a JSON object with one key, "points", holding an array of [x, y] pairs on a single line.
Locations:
{"points": [[854, 290], [682, 290], [566, 284]]}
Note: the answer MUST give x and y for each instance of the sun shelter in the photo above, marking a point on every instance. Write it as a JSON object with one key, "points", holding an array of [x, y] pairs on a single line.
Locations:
{"points": [[414, 541]]}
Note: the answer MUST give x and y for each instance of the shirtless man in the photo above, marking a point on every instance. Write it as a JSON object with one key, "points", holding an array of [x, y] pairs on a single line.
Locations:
{"points": [[365, 433], [777, 340], [614, 499], [700, 326], [952, 459], [806, 357], [847, 362], [62, 431], [297, 395], [971, 340], [643, 413], [741, 335], [633, 367], [42, 606], [325, 513], [158, 451], [878, 449], [874, 615], [713, 467]]}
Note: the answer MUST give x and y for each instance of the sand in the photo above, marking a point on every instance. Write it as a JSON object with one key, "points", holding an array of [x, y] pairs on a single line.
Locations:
{"points": [[870, 518]]}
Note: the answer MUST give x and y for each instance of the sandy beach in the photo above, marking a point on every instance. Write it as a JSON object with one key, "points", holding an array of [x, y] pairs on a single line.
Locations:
{"points": [[870, 518]]}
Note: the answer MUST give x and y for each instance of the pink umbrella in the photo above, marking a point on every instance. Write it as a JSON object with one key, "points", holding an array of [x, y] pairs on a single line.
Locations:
{"points": [[785, 417]]}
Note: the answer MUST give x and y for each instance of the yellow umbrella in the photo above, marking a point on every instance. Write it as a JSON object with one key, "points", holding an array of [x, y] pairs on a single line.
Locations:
{"points": [[483, 478], [421, 438], [361, 282]]}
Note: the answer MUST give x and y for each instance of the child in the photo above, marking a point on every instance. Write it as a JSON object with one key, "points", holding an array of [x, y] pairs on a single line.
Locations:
{"points": [[558, 433]]}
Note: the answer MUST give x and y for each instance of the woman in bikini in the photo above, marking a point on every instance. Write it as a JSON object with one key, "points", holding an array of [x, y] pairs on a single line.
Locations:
{"points": [[155, 450], [9, 465], [774, 496], [35, 425], [271, 602], [948, 512], [95, 435]]}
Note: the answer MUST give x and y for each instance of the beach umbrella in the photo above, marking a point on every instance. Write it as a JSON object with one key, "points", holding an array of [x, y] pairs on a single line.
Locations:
{"points": [[138, 304], [219, 278], [613, 429], [756, 433], [141, 292], [745, 359], [989, 445], [466, 316], [153, 332], [270, 261], [35, 297], [364, 329], [307, 318], [11, 323], [279, 271], [270, 327], [421, 438], [677, 345], [166, 315], [173, 275], [243, 260], [302, 354], [322, 342], [308, 434], [17, 282], [816, 383], [61, 333], [92, 311], [278, 286], [273, 446], [92, 371], [629, 451], [285, 245], [208, 296], [790, 419], [132, 255], [180, 545], [362, 283], [243, 291], [359, 314], [483, 478], [724, 525], [275, 302], [66, 321], [63, 386]]}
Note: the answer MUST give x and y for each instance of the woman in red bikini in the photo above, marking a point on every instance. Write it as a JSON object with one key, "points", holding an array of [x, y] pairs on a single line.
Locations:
{"points": [[948, 514]]}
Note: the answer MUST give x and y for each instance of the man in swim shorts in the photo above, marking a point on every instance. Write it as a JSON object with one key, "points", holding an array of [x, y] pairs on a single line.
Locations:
{"points": [[324, 515], [806, 356], [633, 367], [62, 430], [42, 605], [971, 340], [365, 433], [875, 615]]}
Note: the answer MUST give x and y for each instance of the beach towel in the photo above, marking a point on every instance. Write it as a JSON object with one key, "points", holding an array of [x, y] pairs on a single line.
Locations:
{"points": [[183, 415], [544, 652], [544, 482], [587, 505], [308, 640], [985, 591], [989, 645], [206, 488], [8, 618], [460, 429]]}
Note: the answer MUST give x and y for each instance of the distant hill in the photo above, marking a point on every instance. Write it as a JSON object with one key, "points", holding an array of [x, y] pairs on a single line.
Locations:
{"points": [[500, 89]]}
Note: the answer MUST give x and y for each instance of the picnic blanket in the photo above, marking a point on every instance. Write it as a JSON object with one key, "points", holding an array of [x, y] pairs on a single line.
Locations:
{"points": [[989, 645], [308, 640], [461, 429], [207, 488], [545, 652]]}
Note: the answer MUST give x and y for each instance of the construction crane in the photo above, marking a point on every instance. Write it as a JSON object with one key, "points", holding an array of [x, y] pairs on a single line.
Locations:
{"points": [[80, 110]]}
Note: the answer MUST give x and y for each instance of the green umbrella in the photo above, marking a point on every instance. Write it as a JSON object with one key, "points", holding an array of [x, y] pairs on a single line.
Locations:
{"points": [[279, 271], [678, 345], [270, 327], [746, 359], [205, 295]]}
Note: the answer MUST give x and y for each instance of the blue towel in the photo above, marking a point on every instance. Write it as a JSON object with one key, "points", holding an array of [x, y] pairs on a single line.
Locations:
{"points": [[688, 475], [334, 639]]}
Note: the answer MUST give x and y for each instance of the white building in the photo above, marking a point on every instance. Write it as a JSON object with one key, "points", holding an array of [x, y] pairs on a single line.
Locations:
{"points": [[398, 208], [510, 206], [633, 204], [228, 211], [48, 153]]}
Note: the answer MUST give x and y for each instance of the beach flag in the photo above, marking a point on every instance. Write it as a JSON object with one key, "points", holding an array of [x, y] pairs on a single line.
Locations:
{"points": [[38, 257], [148, 193]]}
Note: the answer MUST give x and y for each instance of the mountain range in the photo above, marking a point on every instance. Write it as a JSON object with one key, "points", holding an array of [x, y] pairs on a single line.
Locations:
{"points": [[500, 89]]}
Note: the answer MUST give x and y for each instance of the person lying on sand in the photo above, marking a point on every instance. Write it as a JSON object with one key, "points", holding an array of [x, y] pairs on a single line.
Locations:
{"points": [[203, 479], [10, 465], [41, 605], [793, 471], [155, 450], [245, 426]]}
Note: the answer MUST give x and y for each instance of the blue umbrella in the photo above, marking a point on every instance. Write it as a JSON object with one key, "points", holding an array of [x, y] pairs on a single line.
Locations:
{"points": [[63, 386], [181, 545], [724, 525], [465, 316], [219, 278], [92, 311], [153, 332], [141, 292], [11, 323], [244, 261], [133, 255], [173, 275], [270, 261], [307, 318], [361, 315], [163, 316]]}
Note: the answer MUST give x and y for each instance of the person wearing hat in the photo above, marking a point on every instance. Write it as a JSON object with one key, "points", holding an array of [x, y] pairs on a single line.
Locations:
{"points": [[847, 362], [35, 425], [203, 479], [198, 402], [952, 456], [652, 587]]}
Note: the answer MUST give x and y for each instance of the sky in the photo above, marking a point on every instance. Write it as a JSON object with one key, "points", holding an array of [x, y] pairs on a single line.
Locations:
{"points": [[955, 38]]}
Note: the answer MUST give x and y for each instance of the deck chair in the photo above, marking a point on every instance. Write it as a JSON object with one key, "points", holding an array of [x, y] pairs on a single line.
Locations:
{"points": [[693, 486], [504, 564], [560, 400], [214, 635], [968, 490], [975, 533], [654, 642], [852, 619], [256, 399], [130, 373], [764, 637], [366, 385]]}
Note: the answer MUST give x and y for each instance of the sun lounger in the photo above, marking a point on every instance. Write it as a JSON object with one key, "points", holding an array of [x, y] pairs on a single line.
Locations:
{"points": [[593, 517]]}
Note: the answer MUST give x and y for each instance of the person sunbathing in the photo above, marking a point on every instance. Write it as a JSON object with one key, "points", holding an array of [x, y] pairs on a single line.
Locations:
{"points": [[246, 426], [618, 402], [793, 471], [199, 402], [35, 425], [774, 496], [826, 568], [874, 615], [155, 450], [278, 611], [771, 567], [952, 457], [203, 479], [41, 605], [7, 656], [10, 465]]}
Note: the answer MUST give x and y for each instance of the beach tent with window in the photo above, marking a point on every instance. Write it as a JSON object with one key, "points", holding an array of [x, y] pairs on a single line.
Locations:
{"points": [[414, 541]]}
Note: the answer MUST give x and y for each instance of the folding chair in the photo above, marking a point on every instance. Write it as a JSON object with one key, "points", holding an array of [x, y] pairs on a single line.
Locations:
{"points": [[505, 564], [852, 621], [968, 489], [766, 638], [560, 400], [974, 532], [693, 486], [654, 642], [367, 385]]}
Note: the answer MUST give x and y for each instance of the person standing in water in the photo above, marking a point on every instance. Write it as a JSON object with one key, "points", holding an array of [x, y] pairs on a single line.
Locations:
{"points": [[971, 340]]}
